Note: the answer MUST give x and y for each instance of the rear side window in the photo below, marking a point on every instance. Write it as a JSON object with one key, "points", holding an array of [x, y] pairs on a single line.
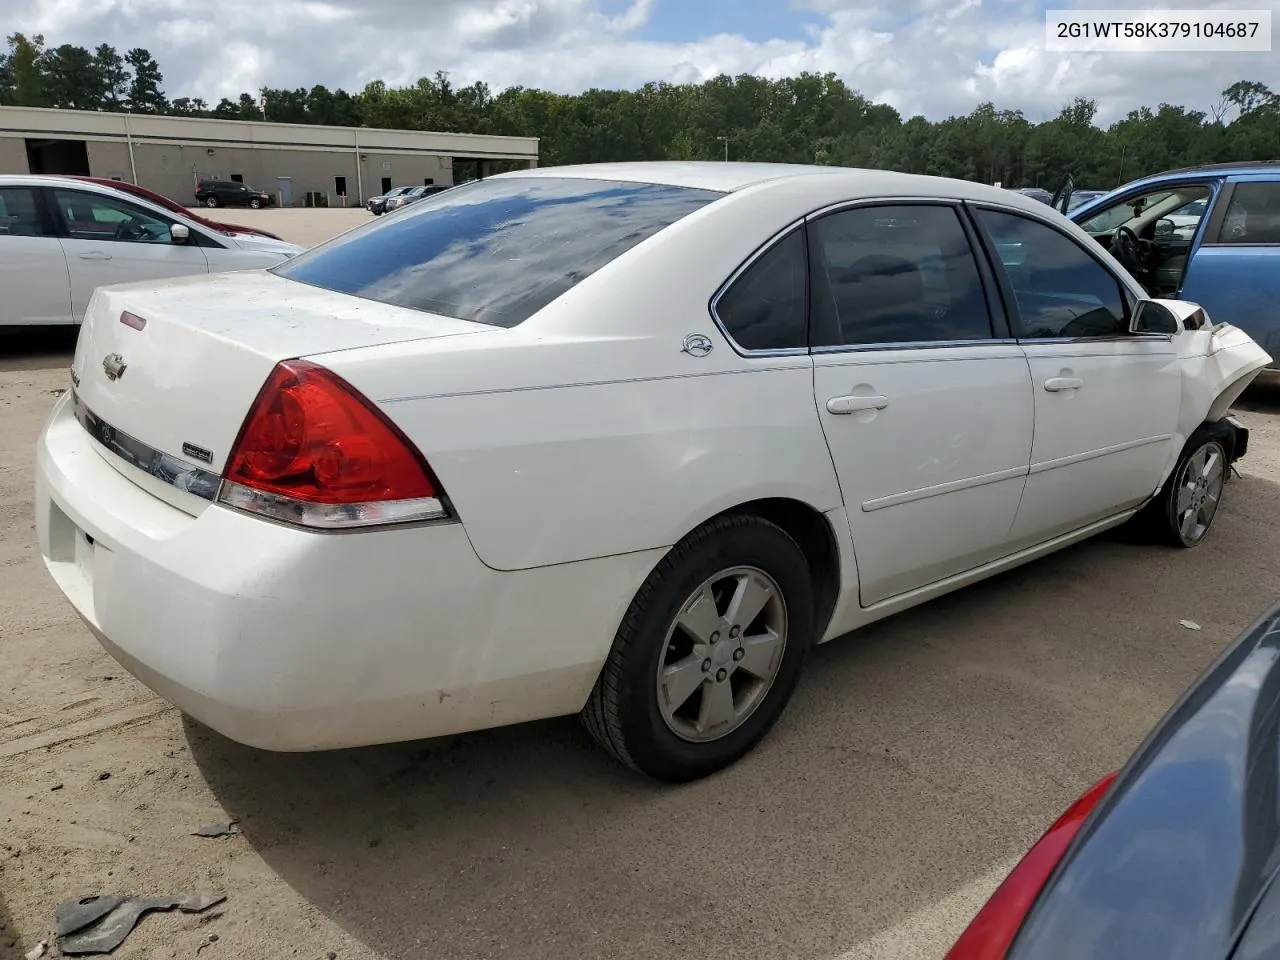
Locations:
{"points": [[895, 274], [765, 307], [1253, 216], [495, 251], [19, 215]]}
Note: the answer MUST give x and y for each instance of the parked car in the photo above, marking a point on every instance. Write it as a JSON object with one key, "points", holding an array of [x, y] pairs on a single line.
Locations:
{"points": [[62, 237], [1174, 856], [162, 201], [608, 439], [412, 195], [1081, 197], [231, 193], [378, 205], [1035, 193], [1209, 234]]}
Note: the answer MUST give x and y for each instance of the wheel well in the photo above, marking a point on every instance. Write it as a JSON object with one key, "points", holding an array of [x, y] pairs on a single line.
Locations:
{"points": [[811, 530]]}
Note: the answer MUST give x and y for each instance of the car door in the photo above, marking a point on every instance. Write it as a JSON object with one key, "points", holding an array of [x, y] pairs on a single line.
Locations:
{"points": [[924, 398], [1106, 401], [109, 239], [1235, 272], [35, 284]]}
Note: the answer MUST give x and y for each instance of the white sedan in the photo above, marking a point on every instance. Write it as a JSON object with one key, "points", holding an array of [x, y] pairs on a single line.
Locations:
{"points": [[62, 238], [623, 440]]}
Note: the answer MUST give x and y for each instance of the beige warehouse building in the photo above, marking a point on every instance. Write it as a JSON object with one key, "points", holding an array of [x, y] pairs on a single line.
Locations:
{"points": [[298, 163]]}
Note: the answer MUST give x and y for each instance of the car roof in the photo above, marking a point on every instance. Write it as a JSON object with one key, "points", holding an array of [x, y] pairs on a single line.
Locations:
{"points": [[1234, 167], [731, 177]]}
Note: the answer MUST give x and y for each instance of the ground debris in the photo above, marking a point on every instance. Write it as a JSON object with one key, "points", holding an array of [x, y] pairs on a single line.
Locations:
{"points": [[223, 828], [1190, 624], [38, 951], [99, 924]]}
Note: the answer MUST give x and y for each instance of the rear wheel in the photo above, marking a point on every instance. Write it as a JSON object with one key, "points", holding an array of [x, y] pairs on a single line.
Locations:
{"points": [[211, 201], [709, 652], [1188, 504]]}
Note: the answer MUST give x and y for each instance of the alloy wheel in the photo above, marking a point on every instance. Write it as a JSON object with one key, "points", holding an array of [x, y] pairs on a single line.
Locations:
{"points": [[1199, 491], [722, 654]]}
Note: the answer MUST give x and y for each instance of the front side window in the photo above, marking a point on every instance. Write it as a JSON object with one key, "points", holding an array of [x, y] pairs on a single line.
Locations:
{"points": [[1253, 215], [1061, 291], [764, 308], [495, 251], [19, 213], [895, 274], [91, 216]]}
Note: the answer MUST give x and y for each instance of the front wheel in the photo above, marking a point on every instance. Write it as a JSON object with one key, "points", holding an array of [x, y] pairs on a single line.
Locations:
{"points": [[709, 652], [211, 202], [255, 204], [1188, 504]]}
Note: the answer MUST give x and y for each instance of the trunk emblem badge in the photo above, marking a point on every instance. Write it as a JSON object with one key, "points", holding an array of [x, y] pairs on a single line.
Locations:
{"points": [[113, 366]]}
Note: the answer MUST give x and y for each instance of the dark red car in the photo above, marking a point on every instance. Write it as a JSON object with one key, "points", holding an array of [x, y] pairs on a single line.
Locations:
{"points": [[168, 204]]}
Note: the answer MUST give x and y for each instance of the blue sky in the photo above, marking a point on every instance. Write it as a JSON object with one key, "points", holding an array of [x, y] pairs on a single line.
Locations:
{"points": [[934, 57]]}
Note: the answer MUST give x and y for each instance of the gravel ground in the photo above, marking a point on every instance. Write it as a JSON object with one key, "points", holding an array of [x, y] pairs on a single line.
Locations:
{"points": [[919, 758]]}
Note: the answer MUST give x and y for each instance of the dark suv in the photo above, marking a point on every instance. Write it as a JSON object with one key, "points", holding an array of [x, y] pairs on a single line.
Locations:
{"points": [[228, 193]]}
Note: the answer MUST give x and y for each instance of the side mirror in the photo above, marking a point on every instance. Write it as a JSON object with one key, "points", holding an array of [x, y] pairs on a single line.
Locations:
{"points": [[178, 233], [1167, 317], [1165, 227]]}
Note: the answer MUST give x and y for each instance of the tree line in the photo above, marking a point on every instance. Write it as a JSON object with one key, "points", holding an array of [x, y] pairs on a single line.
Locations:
{"points": [[810, 118]]}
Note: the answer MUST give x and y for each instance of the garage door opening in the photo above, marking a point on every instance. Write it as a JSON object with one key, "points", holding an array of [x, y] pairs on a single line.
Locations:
{"points": [[64, 157]]}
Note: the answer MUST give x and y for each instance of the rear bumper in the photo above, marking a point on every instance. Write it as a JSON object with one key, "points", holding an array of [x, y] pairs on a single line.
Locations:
{"points": [[290, 640]]}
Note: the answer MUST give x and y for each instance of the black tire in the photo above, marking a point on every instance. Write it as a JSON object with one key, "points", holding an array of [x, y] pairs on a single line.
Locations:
{"points": [[255, 204], [211, 202], [1162, 517], [623, 713]]}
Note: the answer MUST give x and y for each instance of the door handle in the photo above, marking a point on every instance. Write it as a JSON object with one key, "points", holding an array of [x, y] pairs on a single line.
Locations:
{"points": [[839, 405], [95, 255], [1058, 384]]}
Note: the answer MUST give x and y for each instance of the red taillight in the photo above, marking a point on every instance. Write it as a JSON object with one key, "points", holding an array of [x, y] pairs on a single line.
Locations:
{"points": [[991, 933], [313, 451]]}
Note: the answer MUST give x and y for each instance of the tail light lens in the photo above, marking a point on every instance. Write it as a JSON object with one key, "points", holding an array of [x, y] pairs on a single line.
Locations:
{"points": [[991, 933], [314, 452]]}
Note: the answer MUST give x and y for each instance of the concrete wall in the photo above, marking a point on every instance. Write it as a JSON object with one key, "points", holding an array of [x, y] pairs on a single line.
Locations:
{"points": [[171, 153]]}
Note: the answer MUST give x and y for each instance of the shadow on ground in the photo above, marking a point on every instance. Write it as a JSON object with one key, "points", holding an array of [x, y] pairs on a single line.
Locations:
{"points": [[915, 756], [37, 348]]}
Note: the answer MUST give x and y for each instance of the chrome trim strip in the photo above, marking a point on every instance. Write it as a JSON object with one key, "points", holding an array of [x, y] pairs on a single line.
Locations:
{"points": [[1046, 465], [951, 486], [155, 463], [913, 345]]}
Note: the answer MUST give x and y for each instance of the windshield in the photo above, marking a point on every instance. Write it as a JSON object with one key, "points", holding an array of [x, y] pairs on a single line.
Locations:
{"points": [[495, 251]]}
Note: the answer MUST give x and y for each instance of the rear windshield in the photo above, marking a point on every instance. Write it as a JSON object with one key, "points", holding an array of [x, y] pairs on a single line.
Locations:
{"points": [[495, 251]]}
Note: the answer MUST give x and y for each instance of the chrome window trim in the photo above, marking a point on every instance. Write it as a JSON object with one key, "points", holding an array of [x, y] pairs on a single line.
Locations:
{"points": [[913, 345], [164, 467]]}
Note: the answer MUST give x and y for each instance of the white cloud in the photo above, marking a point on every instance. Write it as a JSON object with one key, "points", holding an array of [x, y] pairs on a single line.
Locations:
{"points": [[935, 57]]}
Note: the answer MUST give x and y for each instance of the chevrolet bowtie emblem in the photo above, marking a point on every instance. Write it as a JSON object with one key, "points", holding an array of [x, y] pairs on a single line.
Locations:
{"points": [[113, 366]]}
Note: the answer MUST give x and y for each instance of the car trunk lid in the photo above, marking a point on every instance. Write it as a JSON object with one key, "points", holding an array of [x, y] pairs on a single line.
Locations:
{"points": [[164, 373]]}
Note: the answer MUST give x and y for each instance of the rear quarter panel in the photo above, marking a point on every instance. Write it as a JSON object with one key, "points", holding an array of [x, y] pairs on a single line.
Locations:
{"points": [[586, 431]]}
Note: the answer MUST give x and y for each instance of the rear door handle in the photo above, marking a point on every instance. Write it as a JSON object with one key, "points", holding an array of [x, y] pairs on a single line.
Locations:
{"points": [[1058, 384], [839, 405], [95, 255]]}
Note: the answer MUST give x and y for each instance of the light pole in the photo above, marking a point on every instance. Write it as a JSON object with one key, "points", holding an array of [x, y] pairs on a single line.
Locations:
{"points": [[727, 141]]}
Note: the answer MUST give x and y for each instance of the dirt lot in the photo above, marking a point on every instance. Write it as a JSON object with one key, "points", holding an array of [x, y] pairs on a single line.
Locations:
{"points": [[918, 759]]}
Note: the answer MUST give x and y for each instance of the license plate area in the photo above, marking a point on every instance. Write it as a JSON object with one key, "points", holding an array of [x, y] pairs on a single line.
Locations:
{"points": [[84, 550]]}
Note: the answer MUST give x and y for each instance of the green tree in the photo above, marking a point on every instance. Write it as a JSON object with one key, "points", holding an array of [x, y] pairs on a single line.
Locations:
{"points": [[112, 75], [26, 80], [72, 79], [145, 95]]}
